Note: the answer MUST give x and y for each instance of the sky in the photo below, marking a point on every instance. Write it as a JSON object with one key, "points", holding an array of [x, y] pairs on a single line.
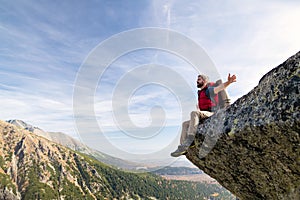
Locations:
{"points": [[45, 46]]}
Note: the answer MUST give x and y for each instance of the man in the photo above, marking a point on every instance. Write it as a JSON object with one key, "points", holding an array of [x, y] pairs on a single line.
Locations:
{"points": [[207, 102]]}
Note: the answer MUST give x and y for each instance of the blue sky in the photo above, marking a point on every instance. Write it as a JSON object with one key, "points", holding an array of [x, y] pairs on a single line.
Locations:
{"points": [[43, 44]]}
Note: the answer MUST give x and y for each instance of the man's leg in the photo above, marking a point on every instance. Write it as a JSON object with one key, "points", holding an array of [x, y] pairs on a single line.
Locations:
{"points": [[193, 126], [186, 136], [184, 131], [196, 116]]}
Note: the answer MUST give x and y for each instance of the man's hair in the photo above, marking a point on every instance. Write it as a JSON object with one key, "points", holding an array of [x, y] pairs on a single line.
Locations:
{"points": [[204, 77]]}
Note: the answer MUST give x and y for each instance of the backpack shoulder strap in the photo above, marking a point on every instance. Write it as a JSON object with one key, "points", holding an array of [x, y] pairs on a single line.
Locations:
{"points": [[207, 92]]}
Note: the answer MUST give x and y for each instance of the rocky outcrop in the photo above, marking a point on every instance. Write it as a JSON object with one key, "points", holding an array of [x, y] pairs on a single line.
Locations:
{"points": [[252, 148]]}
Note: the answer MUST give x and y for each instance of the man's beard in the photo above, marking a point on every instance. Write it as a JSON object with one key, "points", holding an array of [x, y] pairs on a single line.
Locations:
{"points": [[200, 85]]}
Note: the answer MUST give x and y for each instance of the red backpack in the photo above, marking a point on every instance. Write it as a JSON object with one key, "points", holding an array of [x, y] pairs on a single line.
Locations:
{"points": [[218, 102]]}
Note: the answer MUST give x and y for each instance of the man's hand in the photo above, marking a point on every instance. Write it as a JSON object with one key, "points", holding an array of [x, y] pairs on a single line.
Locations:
{"points": [[231, 79]]}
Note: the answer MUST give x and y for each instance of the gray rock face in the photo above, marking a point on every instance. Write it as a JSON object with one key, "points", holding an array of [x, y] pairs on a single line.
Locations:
{"points": [[8, 195], [252, 148]]}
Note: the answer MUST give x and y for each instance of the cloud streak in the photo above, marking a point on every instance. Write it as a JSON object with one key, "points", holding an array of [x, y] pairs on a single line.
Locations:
{"points": [[43, 46]]}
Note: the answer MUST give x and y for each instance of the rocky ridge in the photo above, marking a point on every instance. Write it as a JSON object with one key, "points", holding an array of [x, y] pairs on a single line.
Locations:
{"points": [[69, 142], [252, 148], [57, 137]]}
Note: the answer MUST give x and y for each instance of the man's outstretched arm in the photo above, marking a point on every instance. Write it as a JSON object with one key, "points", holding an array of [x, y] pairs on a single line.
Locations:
{"points": [[230, 79]]}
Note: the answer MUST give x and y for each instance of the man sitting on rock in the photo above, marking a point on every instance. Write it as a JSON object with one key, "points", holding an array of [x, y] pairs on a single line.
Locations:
{"points": [[207, 104]]}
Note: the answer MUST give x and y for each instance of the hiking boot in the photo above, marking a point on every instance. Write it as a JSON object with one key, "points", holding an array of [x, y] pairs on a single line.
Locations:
{"points": [[181, 150]]}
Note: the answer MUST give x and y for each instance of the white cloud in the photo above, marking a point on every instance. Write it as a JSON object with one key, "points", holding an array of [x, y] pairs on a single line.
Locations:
{"points": [[42, 51], [248, 38]]}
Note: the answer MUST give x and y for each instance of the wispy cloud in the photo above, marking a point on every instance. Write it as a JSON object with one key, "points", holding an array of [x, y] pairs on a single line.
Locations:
{"points": [[240, 36], [48, 113], [44, 44]]}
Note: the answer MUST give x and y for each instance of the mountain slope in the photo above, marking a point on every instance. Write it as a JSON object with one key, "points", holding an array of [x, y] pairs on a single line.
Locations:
{"points": [[68, 141], [32, 167], [56, 137]]}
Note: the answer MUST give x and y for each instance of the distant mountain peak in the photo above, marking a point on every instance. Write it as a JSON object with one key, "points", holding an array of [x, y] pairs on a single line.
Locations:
{"points": [[22, 124], [70, 142]]}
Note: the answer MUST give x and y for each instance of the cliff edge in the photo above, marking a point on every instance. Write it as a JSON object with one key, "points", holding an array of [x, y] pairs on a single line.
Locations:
{"points": [[252, 148]]}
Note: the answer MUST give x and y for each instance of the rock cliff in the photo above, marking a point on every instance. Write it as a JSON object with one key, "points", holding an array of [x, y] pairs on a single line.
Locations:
{"points": [[252, 147]]}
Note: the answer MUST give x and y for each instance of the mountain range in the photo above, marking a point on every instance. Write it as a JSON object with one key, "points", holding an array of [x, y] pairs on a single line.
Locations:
{"points": [[34, 167], [71, 143]]}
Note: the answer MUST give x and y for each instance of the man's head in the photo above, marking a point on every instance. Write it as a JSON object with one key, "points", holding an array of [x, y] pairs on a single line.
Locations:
{"points": [[202, 80]]}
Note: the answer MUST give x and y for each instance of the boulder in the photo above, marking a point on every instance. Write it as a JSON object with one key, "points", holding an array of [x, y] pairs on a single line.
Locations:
{"points": [[252, 147]]}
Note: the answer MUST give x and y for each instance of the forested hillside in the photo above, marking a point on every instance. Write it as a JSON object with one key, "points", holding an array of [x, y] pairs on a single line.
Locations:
{"points": [[32, 167]]}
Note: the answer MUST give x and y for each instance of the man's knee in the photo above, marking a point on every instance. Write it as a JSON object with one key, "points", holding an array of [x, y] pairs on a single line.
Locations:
{"points": [[185, 123], [205, 114], [194, 113]]}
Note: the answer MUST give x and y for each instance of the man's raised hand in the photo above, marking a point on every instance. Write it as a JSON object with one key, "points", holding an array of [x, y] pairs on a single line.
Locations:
{"points": [[231, 79]]}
